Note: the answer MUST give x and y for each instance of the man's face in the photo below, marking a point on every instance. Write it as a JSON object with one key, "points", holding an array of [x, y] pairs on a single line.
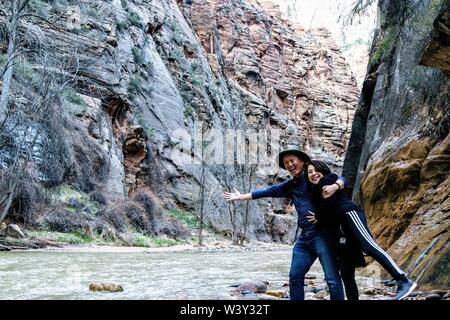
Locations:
{"points": [[293, 164]]}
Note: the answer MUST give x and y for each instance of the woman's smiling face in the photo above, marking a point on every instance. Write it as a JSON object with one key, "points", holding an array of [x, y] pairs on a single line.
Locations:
{"points": [[314, 176]]}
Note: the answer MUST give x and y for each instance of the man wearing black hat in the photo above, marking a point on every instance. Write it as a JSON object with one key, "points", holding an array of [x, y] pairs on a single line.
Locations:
{"points": [[314, 241]]}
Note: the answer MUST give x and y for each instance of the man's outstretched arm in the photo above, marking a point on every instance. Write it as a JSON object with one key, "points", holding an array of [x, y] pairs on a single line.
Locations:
{"points": [[237, 196], [279, 190]]}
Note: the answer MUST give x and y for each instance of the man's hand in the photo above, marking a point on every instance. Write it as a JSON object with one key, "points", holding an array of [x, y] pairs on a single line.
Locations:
{"points": [[232, 196], [328, 191], [311, 217]]}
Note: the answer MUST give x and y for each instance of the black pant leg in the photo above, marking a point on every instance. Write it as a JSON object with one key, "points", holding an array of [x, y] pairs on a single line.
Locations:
{"points": [[355, 221], [347, 271]]}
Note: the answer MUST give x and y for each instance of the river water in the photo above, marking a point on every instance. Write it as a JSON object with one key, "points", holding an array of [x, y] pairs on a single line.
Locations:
{"points": [[143, 275]]}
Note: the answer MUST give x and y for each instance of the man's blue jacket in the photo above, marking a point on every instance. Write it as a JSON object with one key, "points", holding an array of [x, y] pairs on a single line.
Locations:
{"points": [[298, 191]]}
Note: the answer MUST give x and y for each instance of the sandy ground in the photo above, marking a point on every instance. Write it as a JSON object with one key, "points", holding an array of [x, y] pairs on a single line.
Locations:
{"points": [[209, 246]]}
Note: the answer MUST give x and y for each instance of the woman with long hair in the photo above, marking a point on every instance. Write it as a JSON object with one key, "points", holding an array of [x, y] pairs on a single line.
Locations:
{"points": [[339, 208]]}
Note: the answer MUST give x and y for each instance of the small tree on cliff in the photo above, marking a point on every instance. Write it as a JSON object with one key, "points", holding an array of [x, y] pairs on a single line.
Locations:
{"points": [[247, 173], [17, 10], [36, 77], [14, 13]]}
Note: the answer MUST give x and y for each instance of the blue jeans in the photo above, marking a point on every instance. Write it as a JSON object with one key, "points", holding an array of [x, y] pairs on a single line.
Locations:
{"points": [[311, 245]]}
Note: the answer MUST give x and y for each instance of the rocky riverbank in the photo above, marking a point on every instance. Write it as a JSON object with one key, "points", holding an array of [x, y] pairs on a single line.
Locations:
{"points": [[316, 289]]}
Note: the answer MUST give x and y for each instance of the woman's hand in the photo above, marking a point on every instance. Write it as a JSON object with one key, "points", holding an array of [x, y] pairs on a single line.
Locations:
{"points": [[311, 217], [232, 196]]}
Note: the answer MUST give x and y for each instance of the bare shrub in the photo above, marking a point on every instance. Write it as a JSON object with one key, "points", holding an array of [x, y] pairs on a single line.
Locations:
{"points": [[172, 228], [99, 198], [115, 217], [65, 221]]}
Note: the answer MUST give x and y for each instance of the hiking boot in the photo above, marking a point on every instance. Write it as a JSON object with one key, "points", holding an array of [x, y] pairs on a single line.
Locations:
{"points": [[404, 288]]}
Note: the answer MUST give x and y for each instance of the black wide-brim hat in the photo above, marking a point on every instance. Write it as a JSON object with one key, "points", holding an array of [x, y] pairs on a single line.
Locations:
{"points": [[296, 152]]}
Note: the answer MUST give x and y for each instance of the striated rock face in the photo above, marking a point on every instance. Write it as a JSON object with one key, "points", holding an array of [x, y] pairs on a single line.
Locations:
{"points": [[399, 151], [149, 72], [284, 75]]}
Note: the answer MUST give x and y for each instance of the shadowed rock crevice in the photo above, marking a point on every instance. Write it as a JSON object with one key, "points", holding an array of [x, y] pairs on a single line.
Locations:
{"points": [[437, 51]]}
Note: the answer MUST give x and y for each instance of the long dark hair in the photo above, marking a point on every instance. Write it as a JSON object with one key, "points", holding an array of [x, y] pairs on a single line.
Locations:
{"points": [[319, 165]]}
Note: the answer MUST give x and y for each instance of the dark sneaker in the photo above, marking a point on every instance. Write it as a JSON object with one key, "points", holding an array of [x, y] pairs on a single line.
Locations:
{"points": [[404, 289]]}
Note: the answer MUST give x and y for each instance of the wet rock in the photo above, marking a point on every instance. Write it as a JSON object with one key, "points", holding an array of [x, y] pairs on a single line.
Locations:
{"points": [[416, 293], [439, 292], [265, 296], [388, 293], [320, 295], [433, 296], [14, 231], [105, 287], [246, 294], [255, 286], [324, 286], [316, 289], [277, 293], [389, 283], [311, 282], [370, 291], [446, 296]]}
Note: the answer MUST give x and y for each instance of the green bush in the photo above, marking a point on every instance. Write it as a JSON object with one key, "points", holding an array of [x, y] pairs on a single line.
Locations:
{"points": [[375, 58], [72, 96], [186, 218], [140, 240], [69, 238], [65, 192]]}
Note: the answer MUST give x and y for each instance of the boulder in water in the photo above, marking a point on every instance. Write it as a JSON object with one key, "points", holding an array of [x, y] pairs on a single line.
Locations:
{"points": [[105, 287], [255, 286]]}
